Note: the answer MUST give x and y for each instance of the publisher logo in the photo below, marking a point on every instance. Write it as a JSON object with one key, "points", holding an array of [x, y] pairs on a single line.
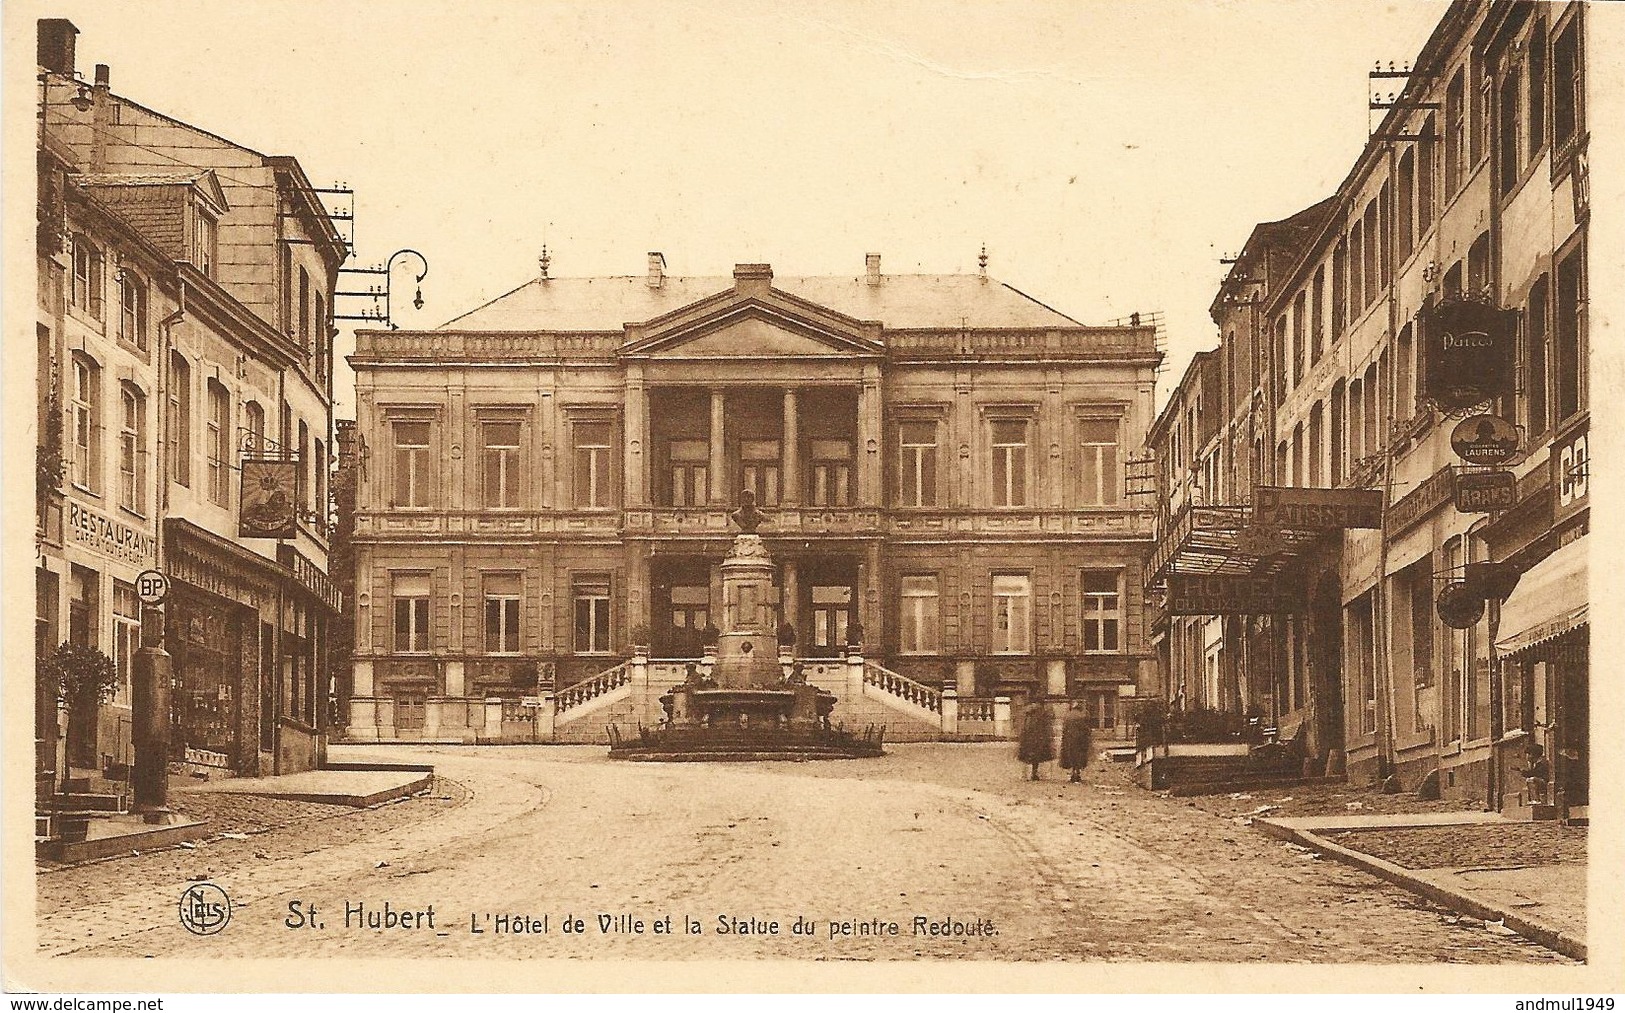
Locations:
{"points": [[204, 909]]}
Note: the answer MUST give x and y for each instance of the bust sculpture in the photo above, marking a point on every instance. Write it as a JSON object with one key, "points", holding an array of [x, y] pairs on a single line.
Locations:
{"points": [[747, 516]]}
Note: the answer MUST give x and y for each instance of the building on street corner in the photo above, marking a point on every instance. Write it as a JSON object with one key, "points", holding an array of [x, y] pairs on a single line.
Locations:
{"points": [[184, 340], [543, 487]]}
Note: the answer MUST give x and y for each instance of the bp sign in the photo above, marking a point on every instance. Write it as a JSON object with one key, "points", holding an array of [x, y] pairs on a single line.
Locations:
{"points": [[1485, 439], [1469, 353]]}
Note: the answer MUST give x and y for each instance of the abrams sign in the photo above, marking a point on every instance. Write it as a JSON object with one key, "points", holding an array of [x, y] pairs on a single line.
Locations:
{"points": [[1281, 508], [1469, 353], [1207, 595]]}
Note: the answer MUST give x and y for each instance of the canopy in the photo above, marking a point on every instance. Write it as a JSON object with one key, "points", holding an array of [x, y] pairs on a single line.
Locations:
{"points": [[1552, 598]]}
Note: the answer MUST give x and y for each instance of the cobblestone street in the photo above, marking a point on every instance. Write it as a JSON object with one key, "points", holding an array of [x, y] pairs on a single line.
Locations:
{"points": [[947, 833]]}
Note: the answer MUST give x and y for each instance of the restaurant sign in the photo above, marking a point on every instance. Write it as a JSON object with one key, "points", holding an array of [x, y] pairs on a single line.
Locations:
{"points": [[1192, 594], [1469, 357], [1316, 509], [101, 534], [1480, 492]]}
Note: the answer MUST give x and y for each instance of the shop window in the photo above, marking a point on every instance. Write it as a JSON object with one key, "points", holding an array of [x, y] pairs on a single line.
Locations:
{"points": [[1102, 611], [132, 448], [690, 472], [412, 482], [411, 598], [1419, 590], [86, 422], [917, 464], [594, 468], [591, 629], [759, 470], [501, 461], [502, 596], [84, 606], [920, 619], [831, 473], [1012, 613], [1009, 462]]}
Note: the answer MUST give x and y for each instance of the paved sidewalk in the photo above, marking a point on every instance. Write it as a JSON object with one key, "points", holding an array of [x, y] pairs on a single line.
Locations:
{"points": [[330, 787]]}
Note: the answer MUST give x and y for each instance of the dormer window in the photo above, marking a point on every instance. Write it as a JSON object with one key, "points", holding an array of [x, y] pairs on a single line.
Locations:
{"points": [[203, 242]]}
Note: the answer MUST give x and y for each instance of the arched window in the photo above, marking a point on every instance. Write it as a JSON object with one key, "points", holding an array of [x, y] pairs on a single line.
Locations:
{"points": [[132, 448], [219, 443]]}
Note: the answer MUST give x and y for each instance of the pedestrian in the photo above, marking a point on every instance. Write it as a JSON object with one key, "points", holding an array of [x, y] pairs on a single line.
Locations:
{"points": [[1538, 774], [1035, 746], [1076, 741]]}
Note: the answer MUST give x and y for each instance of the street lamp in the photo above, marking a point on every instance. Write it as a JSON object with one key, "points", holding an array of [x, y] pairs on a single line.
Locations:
{"points": [[374, 291]]}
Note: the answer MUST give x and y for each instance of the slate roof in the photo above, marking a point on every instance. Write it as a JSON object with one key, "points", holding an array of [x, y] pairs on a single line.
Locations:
{"points": [[900, 301]]}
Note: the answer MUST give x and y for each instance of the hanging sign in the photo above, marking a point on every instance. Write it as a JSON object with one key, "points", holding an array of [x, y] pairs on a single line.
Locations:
{"points": [[1459, 607], [1469, 348], [270, 497], [1485, 439], [1480, 492], [151, 587], [1283, 507]]}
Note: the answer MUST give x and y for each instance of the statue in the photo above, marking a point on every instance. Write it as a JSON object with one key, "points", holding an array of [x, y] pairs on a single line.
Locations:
{"points": [[747, 516]]}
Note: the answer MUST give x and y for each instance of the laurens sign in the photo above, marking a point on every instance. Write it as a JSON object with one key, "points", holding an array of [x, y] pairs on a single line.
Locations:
{"points": [[1469, 353]]}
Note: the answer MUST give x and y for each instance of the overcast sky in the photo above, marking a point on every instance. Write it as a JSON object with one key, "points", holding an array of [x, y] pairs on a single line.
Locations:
{"points": [[1107, 153]]}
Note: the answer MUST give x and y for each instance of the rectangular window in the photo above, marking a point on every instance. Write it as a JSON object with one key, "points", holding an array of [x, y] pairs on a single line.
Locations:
{"points": [[690, 472], [1317, 316], [411, 464], [1537, 88], [85, 420], [87, 276], [1098, 477], [126, 638], [1427, 171], [1507, 129], [323, 335], [502, 614], [180, 419], [1012, 613], [831, 609], [759, 470], [132, 321], [203, 243], [1102, 611], [917, 464], [831, 473], [1010, 462], [594, 469], [411, 597], [132, 448], [1536, 351], [1455, 135], [920, 620], [501, 461], [1568, 348], [219, 443], [591, 595]]}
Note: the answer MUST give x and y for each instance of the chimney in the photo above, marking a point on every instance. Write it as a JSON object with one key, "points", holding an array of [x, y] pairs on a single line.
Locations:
{"points": [[56, 41], [871, 264], [753, 279], [657, 269], [103, 74]]}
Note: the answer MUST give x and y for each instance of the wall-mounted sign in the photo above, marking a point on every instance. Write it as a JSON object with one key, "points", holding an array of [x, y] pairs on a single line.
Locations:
{"points": [[1469, 349], [1571, 474], [1459, 608], [1485, 439], [1479, 492], [1434, 491], [1316, 509], [270, 497], [1191, 594], [105, 536]]}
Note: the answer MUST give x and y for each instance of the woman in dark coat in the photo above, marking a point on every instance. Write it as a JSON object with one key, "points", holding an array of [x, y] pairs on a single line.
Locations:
{"points": [[1077, 741], [1036, 745]]}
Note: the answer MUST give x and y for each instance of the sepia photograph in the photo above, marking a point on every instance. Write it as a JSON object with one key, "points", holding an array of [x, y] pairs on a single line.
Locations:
{"points": [[924, 497]]}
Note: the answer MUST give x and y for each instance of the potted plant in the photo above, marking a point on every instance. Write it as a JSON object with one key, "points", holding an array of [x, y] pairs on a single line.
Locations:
{"points": [[83, 678]]}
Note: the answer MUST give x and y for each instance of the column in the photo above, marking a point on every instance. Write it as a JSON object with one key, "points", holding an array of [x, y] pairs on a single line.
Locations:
{"points": [[868, 449], [719, 488], [791, 484], [636, 440]]}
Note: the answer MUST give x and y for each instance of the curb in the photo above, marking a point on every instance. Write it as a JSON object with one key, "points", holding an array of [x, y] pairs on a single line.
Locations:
{"points": [[1534, 929]]}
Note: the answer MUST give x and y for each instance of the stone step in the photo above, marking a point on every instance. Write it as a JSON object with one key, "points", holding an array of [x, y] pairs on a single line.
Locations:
{"points": [[88, 802]]}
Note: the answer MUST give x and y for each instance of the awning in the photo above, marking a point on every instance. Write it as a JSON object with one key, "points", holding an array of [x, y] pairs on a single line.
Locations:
{"points": [[1552, 598]]}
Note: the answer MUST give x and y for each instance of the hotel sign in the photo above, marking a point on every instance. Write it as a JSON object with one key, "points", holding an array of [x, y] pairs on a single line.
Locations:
{"points": [[1192, 594], [1283, 508], [101, 534], [1469, 353]]}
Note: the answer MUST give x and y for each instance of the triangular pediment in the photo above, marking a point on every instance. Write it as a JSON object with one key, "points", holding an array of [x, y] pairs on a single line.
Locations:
{"points": [[774, 325]]}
